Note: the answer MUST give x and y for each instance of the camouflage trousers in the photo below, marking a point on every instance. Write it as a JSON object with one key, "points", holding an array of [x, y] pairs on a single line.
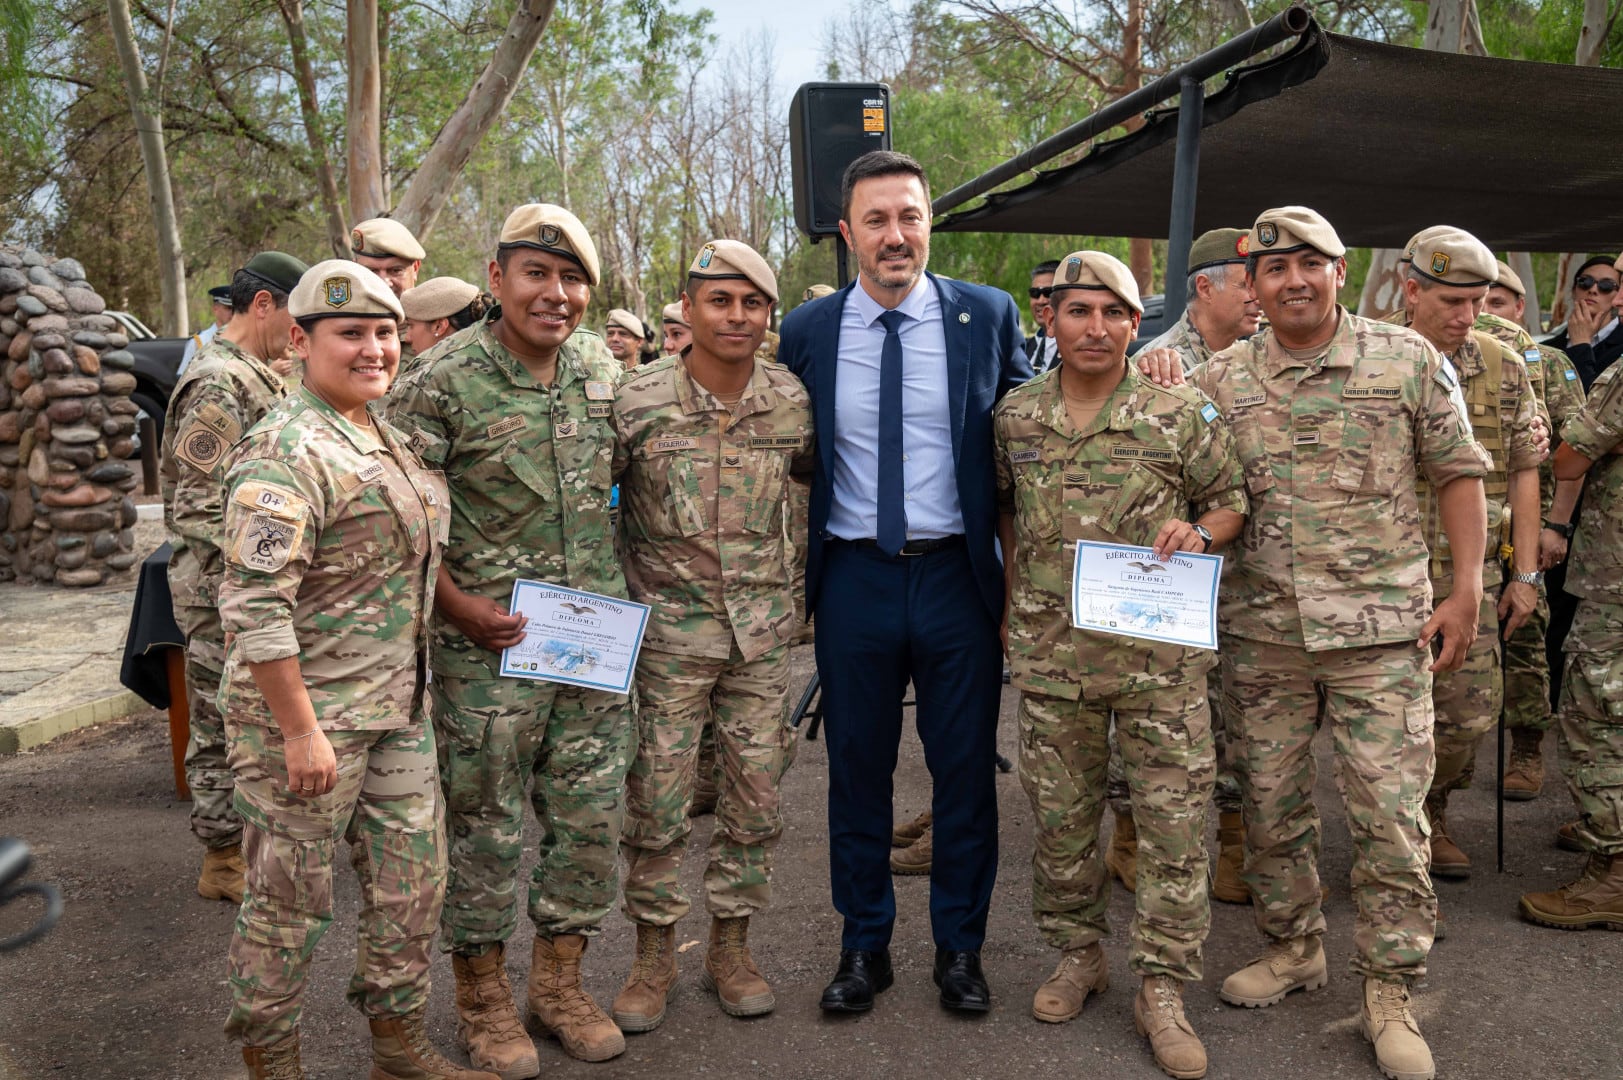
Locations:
{"points": [[565, 747], [1166, 746], [1592, 723], [386, 783], [1466, 703], [743, 703], [1377, 703], [214, 820], [796, 525], [1527, 672], [1225, 793]]}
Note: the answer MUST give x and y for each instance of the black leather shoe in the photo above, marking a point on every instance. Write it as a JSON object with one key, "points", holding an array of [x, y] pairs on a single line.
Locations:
{"points": [[963, 987], [862, 974]]}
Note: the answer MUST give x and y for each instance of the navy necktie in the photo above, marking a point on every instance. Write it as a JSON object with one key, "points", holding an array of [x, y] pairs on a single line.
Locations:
{"points": [[892, 515]]}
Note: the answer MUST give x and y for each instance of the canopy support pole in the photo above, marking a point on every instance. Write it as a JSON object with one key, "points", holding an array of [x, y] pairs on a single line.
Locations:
{"points": [[1185, 173]]}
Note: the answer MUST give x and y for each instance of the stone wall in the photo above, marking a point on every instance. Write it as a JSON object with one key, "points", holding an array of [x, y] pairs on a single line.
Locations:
{"points": [[67, 427]]}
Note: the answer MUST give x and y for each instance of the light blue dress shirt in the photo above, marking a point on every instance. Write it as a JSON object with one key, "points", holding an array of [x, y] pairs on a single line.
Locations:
{"points": [[929, 479]]}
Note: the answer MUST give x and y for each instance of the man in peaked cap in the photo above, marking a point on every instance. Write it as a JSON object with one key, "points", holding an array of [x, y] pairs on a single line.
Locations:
{"points": [[625, 335], [228, 388], [518, 409], [220, 308], [674, 325], [387, 248], [706, 443], [1092, 451], [1325, 598], [1221, 309]]}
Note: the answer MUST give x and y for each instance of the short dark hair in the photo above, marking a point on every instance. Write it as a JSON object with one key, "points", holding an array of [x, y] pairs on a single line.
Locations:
{"points": [[1047, 266], [1593, 260], [245, 285], [878, 163]]}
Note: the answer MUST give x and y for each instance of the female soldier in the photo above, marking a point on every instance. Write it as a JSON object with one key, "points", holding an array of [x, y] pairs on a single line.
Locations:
{"points": [[332, 540], [437, 308]]}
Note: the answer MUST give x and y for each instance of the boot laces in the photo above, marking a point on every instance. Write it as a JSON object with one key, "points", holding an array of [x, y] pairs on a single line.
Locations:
{"points": [[1165, 1001], [284, 1065], [416, 1039], [1392, 1002], [1279, 954], [649, 949]]}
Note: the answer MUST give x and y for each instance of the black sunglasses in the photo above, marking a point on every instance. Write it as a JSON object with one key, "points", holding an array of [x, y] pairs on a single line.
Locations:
{"points": [[1037, 294], [1605, 285]]}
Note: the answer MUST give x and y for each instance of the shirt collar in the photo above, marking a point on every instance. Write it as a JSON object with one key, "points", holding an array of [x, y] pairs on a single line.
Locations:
{"points": [[1340, 351], [570, 367], [1115, 415], [364, 442], [912, 305], [758, 395]]}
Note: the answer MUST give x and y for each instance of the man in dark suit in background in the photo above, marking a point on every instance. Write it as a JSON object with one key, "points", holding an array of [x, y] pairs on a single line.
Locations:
{"points": [[903, 369], [1040, 351]]}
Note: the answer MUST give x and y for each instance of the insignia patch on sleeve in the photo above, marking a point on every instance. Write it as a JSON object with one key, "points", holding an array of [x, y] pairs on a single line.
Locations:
{"points": [[265, 542], [273, 499], [1532, 356], [220, 420], [1208, 412], [1572, 376], [201, 446], [599, 391]]}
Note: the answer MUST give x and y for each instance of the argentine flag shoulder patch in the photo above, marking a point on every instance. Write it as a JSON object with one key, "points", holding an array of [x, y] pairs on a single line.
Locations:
{"points": [[1208, 412]]}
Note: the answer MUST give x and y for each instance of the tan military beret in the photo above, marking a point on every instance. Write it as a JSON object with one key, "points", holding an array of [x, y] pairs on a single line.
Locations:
{"points": [[1455, 257], [382, 237], [625, 320], [341, 287], [1219, 247], [1096, 270], [721, 259], [437, 298], [817, 292], [1420, 238], [672, 313], [1290, 228], [1510, 279], [546, 227]]}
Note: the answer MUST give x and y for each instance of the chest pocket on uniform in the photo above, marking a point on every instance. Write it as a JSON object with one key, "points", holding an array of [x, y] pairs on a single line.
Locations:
{"points": [[1252, 451], [1032, 497], [667, 500], [498, 491], [1144, 495], [764, 490], [1363, 463]]}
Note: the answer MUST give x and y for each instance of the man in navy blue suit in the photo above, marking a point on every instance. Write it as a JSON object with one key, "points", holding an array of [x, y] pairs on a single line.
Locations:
{"points": [[902, 572]]}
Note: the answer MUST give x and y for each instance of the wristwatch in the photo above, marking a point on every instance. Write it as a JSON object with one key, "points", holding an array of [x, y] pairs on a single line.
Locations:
{"points": [[1205, 535], [1565, 528], [1535, 579]]}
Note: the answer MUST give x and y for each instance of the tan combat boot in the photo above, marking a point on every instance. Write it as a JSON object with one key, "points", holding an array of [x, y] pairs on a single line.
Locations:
{"points": [[1121, 857], [1447, 860], [640, 1005], [401, 1051], [1081, 972], [1566, 838], [279, 1061], [1227, 885], [487, 1023], [916, 857], [1595, 900], [561, 1005], [907, 833], [1283, 966], [1524, 775], [1158, 1015], [731, 972], [221, 878], [1400, 1051]]}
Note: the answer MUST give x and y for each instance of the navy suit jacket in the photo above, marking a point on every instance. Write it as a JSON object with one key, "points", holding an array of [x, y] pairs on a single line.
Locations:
{"points": [[986, 358]]}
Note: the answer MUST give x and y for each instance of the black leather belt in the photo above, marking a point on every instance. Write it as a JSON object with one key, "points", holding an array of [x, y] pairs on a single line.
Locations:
{"points": [[916, 547]]}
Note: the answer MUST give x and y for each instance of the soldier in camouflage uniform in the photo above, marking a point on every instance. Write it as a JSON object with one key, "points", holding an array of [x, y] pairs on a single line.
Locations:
{"points": [[516, 410], [1092, 451], [331, 546], [1592, 685], [1221, 310], [227, 389], [1335, 418], [1448, 275], [705, 445]]}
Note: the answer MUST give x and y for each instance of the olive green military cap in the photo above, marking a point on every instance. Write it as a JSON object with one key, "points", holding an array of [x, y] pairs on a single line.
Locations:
{"points": [[437, 298], [625, 320], [817, 292], [1096, 270], [672, 313], [1454, 257], [724, 259], [1291, 228], [340, 287], [552, 229], [382, 237], [1510, 279], [1218, 248], [274, 268]]}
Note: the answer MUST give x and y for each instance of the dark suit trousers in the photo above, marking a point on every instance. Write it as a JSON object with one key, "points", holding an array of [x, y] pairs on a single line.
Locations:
{"points": [[880, 622]]}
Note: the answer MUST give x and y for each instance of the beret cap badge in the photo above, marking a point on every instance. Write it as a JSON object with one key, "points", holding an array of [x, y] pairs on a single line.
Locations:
{"points": [[337, 291], [1267, 234], [1073, 268], [1439, 262], [551, 234], [706, 255], [1242, 245], [357, 240]]}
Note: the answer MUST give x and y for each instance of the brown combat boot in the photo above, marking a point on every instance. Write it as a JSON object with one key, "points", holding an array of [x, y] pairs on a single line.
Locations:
{"points": [[907, 833], [915, 858], [401, 1051], [487, 1023], [1080, 972], [1227, 885], [640, 1005], [1524, 774], [1595, 900], [1400, 1050], [1447, 860], [1566, 838], [561, 1005], [1121, 857], [1297, 964], [221, 878], [1158, 1015], [279, 1061], [731, 972]]}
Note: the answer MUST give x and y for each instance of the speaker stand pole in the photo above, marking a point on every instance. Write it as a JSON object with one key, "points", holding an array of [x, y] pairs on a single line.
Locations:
{"points": [[842, 275]]}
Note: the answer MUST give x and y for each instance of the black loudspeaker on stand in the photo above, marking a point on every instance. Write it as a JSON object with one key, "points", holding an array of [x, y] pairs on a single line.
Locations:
{"points": [[830, 126]]}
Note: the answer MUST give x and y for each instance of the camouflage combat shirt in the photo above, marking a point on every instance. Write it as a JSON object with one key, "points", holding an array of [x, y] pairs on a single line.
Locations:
{"points": [[1182, 336], [1152, 454], [1595, 570]]}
